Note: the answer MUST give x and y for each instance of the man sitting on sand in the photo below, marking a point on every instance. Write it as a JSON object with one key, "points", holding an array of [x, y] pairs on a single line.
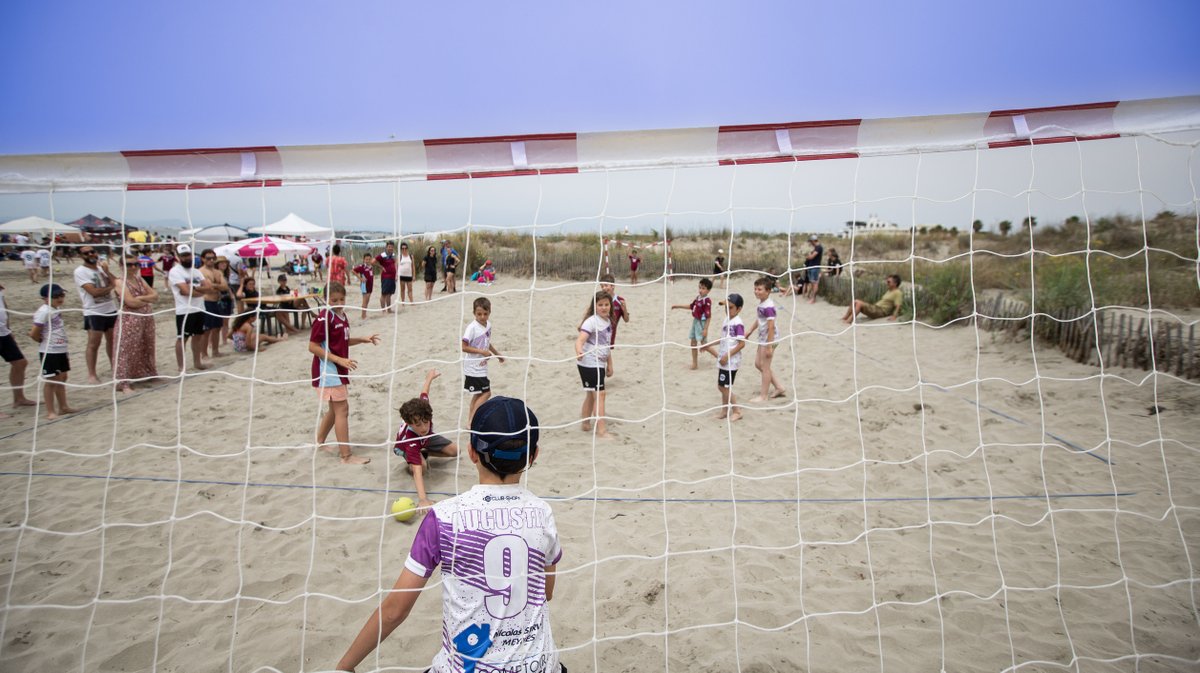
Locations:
{"points": [[888, 305]]}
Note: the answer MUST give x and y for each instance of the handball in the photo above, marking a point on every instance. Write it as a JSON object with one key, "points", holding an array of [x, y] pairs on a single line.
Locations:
{"points": [[404, 509]]}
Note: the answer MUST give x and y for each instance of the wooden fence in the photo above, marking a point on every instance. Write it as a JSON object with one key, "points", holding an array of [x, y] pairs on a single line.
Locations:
{"points": [[1111, 335]]}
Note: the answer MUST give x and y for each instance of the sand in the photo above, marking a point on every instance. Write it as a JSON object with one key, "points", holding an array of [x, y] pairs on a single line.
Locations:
{"points": [[925, 499]]}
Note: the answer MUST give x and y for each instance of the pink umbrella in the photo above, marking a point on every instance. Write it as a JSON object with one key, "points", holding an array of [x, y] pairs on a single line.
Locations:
{"points": [[264, 246]]}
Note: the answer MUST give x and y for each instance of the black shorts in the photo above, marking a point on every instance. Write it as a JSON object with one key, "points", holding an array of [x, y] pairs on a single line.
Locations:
{"points": [[149, 280], [212, 315], [405, 279], [592, 377], [452, 268], [387, 286], [99, 323], [225, 307], [430, 276], [189, 324], [9, 350], [725, 377], [476, 384], [54, 364]]}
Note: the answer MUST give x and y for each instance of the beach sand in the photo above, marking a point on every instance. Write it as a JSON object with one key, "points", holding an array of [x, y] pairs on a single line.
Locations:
{"points": [[924, 499]]}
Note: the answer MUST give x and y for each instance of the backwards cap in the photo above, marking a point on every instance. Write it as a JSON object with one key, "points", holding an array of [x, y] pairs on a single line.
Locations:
{"points": [[499, 420]]}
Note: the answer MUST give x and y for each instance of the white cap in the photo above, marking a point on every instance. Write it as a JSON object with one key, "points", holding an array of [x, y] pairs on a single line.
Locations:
{"points": [[720, 251], [813, 237], [183, 249]]}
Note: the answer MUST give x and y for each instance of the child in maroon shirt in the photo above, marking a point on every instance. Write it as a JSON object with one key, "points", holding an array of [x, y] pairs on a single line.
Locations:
{"points": [[329, 341]]}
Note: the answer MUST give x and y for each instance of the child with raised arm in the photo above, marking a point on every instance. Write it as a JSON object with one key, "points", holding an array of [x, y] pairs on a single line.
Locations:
{"points": [[365, 273], [764, 322], [591, 352], [51, 335], [701, 308], [498, 548], [620, 311], [415, 440], [729, 356], [477, 345], [329, 341]]}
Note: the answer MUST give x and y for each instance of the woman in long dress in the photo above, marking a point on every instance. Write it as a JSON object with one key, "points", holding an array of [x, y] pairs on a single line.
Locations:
{"points": [[135, 359]]}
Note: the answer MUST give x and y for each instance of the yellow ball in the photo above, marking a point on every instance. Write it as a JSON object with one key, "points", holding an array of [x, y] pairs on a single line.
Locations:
{"points": [[404, 509]]}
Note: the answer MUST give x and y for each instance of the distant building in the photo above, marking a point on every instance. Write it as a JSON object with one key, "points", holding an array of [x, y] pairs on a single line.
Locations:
{"points": [[873, 225]]}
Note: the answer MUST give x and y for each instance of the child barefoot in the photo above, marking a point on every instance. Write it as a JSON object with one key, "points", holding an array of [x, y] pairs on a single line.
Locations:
{"points": [[764, 322], [51, 335], [729, 357], [245, 337], [329, 341], [497, 545], [477, 344], [701, 308], [591, 351], [620, 312], [365, 273], [415, 440]]}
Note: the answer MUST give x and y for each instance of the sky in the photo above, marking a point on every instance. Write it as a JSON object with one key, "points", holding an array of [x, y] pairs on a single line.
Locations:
{"points": [[87, 76]]}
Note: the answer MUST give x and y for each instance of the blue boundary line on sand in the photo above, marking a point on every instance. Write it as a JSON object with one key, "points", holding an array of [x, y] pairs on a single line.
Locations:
{"points": [[361, 489]]}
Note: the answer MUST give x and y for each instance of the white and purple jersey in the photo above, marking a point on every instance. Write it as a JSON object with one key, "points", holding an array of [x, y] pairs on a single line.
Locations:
{"points": [[732, 331], [599, 338], [493, 544], [476, 336], [766, 316]]}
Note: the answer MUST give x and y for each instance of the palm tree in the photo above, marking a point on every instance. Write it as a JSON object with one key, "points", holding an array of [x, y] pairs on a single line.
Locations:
{"points": [[1029, 222], [977, 226], [1005, 227]]}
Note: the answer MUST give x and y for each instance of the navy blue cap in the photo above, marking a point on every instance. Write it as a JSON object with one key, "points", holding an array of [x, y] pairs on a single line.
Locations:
{"points": [[52, 290], [499, 420], [735, 299]]}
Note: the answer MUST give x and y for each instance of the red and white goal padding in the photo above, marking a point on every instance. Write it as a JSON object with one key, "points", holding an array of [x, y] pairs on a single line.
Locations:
{"points": [[559, 153]]}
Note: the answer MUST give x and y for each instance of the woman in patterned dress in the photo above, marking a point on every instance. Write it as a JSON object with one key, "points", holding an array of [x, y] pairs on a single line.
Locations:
{"points": [[135, 359]]}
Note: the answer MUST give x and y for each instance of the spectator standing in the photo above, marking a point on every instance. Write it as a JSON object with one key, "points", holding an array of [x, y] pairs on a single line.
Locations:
{"points": [[135, 357], [429, 264], [812, 266], [387, 276], [146, 266], [12, 354], [187, 287], [95, 286], [404, 271]]}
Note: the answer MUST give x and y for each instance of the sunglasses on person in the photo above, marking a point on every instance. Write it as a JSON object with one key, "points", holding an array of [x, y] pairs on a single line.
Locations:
{"points": [[209, 257]]}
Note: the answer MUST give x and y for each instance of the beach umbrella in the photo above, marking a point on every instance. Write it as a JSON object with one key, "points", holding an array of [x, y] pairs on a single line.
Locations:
{"points": [[38, 225], [264, 246]]}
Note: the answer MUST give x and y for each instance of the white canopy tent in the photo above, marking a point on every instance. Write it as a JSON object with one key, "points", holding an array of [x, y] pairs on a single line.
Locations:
{"points": [[38, 225], [221, 233], [294, 225]]}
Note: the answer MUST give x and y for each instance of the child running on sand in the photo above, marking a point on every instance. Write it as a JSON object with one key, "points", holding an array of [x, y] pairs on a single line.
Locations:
{"points": [[498, 549], [477, 344], [591, 352], [701, 308], [764, 322], [415, 440], [329, 341]]}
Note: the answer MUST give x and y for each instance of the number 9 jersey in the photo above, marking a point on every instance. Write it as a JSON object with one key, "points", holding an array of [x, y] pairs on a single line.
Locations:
{"points": [[493, 544]]}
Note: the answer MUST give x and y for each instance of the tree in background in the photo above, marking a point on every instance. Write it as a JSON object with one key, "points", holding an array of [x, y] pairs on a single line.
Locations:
{"points": [[1005, 227], [1029, 222], [977, 226]]}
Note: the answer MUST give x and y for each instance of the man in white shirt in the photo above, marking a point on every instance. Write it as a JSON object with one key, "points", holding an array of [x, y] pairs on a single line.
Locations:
{"points": [[95, 285], [30, 260], [188, 286]]}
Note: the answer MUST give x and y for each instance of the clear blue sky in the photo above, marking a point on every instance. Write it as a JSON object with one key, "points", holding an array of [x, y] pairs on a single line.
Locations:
{"points": [[95, 76]]}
